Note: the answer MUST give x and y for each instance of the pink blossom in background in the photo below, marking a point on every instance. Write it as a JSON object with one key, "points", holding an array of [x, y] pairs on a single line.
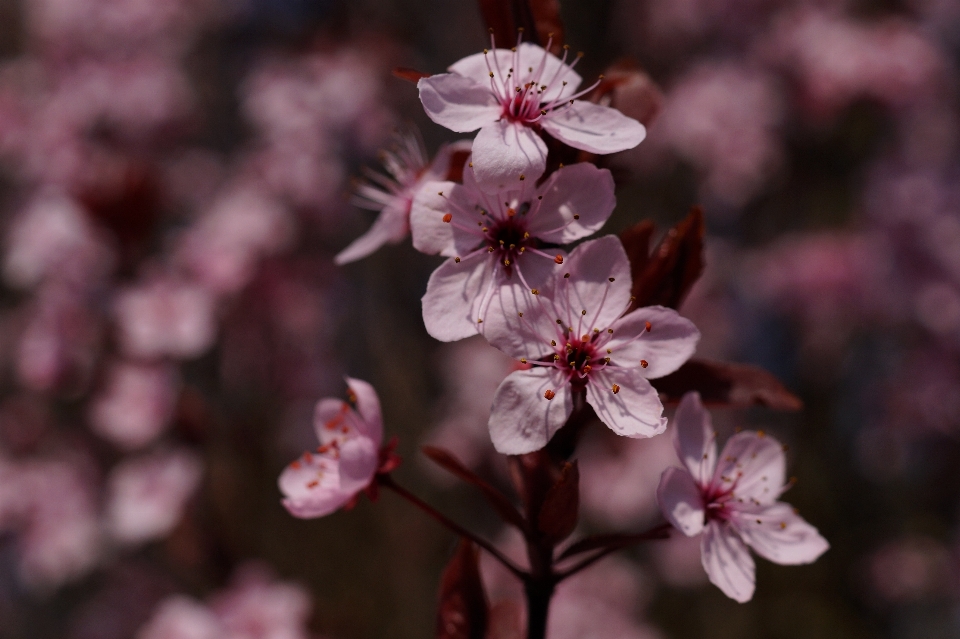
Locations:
{"points": [[723, 118], [146, 495], [492, 241], [181, 617], [408, 170], [577, 337], [510, 95], [909, 569], [731, 501], [677, 561], [135, 404], [320, 483], [165, 317]]}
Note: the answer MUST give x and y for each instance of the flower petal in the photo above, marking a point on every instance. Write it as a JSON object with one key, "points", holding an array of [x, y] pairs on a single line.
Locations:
{"points": [[368, 405], [391, 226], [333, 418], [580, 190], [755, 463], [680, 501], [458, 103], [594, 128], [503, 151], [431, 234], [728, 562], [694, 438], [454, 293], [517, 322], [589, 288], [777, 533], [358, 463], [553, 72], [311, 487], [634, 410], [522, 419], [669, 343]]}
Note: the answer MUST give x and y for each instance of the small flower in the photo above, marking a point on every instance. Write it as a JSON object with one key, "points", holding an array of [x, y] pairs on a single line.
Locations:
{"points": [[732, 500], [320, 482], [493, 240], [392, 194], [575, 334], [511, 95]]}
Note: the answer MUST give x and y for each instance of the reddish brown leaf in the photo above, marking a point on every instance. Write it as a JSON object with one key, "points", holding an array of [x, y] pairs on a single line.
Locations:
{"points": [[558, 515], [674, 266], [457, 161], [500, 19], [533, 475], [725, 384], [549, 26], [630, 90], [506, 620], [614, 541], [494, 497], [410, 75], [462, 612], [636, 241]]}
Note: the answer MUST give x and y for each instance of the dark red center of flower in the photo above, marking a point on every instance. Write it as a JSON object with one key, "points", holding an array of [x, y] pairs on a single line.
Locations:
{"points": [[508, 238], [578, 356]]}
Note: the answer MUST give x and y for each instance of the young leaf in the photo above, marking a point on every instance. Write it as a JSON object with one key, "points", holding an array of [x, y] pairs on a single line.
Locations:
{"points": [[546, 18], [674, 265], [463, 611], [630, 90], [558, 515], [726, 384], [410, 75]]}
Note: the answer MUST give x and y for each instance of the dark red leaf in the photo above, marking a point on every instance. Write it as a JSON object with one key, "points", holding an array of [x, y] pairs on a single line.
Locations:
{"points": [[630, 90], [549, 26], [410, 75], [533, 475], [506, 620], [725, 384], [455, 171], [558, 515], [494, 497], [636, 241], [462, 612], [614, 541], [674, 266], [500, 19]]}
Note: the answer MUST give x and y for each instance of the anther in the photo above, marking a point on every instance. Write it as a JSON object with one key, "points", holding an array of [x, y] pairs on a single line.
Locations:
{"points": [[543, 112], [523, 248], [584, 338], [648, 326], [490, 249], [559, 322], [480, 321], [295, 465], [539, 197], [549, 394], [522, 177], [606, 360], [615, 389], [783, 525], [523, 360], [447, 217], [471, 165], [576, 217], [313, 484], [609, 351], [491, 73], [643, 363], [506, 262], [457, 260], [612, 279], [520, 314], [553, 342], [610, 330], [558, 259], [761, 434], [440, 193], [526, 235], [566, 276], [583, 312], [556, 357], [535, 291], [511, 212], [587, 369], [596, 331]]}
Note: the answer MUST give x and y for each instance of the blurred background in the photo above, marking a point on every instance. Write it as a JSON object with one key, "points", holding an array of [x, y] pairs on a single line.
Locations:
{"points": [[174, 183]]}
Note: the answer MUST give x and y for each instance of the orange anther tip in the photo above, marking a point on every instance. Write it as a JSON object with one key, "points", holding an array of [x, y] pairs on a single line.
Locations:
{"points": [[447, 217], [549, 394]]}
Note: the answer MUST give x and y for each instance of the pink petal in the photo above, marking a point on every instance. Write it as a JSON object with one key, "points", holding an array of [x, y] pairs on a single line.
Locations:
{"points": [[554, 72], [669, 343], [756, 463], [455, 293], [368, 405], [727, 561], [579, 189], [522, 419], [594, 128], [390, 227], [777, 533], [694, 438], [431, 234], [312, 488], [332, 416], [591, 265], [503, 151], [680, 501], [358, 463], [634, 410], [457, 103]]}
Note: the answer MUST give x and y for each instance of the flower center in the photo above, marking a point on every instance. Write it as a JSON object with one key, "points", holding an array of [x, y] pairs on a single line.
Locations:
{"points": [[508, 237], [578, 356]]}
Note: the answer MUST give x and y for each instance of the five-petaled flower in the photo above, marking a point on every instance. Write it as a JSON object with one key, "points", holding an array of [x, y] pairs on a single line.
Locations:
{"points": [[320, 482], [512, 94], [392, 194], [732, 501], [577, 336], [493, 241]]}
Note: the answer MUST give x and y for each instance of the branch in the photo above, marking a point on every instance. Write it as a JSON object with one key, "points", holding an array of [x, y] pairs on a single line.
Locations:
{"points": [[607, 544]]}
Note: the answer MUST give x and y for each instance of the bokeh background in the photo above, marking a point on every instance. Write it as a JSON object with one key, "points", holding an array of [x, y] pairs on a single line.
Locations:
{"points": [[174, 181]]}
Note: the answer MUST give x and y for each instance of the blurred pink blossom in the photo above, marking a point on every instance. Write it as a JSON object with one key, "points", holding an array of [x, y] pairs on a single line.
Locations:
{"points": [[146, 495], [135, 404], [909, 569]]}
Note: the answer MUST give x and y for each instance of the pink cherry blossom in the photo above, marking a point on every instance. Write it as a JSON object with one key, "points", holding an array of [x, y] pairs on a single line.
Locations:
{"points": [[732, 501], [319, 483], [581, 342], [408, 171], [136, 404], [513, 94], [492, 240]]}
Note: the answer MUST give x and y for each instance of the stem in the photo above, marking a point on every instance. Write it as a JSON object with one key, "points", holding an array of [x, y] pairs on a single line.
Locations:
{"points": [[539, 593], [660, 532], [387, 482]]}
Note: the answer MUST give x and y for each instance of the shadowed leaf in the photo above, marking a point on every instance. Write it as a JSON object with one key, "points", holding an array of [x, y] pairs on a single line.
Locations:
{"points": [[630, 90], [462, 612], [494, 497], [546, 18], [558, 515], [724, 384], [674, 266]]}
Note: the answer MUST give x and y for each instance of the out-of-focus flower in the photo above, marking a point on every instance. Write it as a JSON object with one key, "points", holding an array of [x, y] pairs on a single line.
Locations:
{"points": [[492, 241], [135, 405], [166, 317], [577, 338], [909, 569], [408, 171], [731, 500], [180, 617], [146, 495], [510, 95], [319, 483]]}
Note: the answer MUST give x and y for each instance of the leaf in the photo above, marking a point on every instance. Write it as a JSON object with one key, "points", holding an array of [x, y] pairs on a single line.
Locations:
{"points": [[558, 515], [500, 20], [636, 242], [674, 266], [410, 75], [538, 19], [506, 620], [462, 612], [614, 541], [727, 384], [630, 90], [457, 161], [494, 497], [546, 19]]}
